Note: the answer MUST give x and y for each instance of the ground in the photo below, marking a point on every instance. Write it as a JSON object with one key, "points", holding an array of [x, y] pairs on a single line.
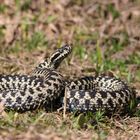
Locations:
{"points": [[105, 36]]}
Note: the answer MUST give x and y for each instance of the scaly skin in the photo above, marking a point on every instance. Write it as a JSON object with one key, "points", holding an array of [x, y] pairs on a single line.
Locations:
{"points": [[104, 93], [22, 92]]}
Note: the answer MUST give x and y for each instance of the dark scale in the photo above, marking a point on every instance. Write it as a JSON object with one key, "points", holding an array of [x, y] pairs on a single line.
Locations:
{"points": [[121, 94], [40, 95], [112, 80], [48, 83], [30, 82], [92, 94], [120, 101], [7, 86], [80, 87], [19, 100], [101, 84], [76, 82], [59, 80], [73, 87], [22, 93], [3, 87], [4, 94], [9, 100], [87, 104], [29, 99], [81, 93], [113, 94], [53, 73], [13, 93], [31, 90], [100, 102], [103, 94], [14, 107], [55, 85], [41, 83], [39, 89], [110, 102], [126, 99], [49, 91], [37, 81], [126, 93], [72, 93], [14, 85], [81, 81], [7, 78], [52, 78], [1, 78], [55, 56]]}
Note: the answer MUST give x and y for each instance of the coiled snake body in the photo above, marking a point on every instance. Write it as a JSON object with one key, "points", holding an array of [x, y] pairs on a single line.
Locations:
{"points": [[28, 92]]}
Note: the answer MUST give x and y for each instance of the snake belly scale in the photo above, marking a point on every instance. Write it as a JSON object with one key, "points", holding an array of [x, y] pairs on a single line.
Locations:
{"points": [[91, 93]]}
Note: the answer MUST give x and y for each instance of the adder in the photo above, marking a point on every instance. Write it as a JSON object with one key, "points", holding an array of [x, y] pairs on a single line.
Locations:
{"points": [[23, 93]]}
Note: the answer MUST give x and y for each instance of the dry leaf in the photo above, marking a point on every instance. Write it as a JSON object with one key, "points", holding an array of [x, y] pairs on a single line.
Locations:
{"points": [[3, 114]]}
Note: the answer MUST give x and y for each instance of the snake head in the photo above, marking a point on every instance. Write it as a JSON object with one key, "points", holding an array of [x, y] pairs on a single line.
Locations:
{"points": [[55, 59], [58, 56]]}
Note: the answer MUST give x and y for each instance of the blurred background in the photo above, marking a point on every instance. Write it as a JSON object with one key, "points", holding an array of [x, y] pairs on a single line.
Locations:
{"points": [[106, 40]]}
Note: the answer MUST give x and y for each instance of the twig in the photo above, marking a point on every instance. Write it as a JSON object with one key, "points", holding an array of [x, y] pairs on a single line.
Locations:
{"points": [[65, 103]]}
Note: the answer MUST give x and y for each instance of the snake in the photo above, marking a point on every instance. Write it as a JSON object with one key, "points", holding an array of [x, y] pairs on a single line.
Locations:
{"points": [[23, 93]]}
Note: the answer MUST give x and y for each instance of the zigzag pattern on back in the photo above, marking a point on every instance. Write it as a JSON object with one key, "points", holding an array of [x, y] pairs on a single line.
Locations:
{"points": [[23, 93]]}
